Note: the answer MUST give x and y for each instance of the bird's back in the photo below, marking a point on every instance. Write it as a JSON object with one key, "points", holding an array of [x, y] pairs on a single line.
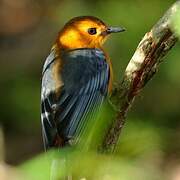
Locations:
{"points": [[74, 85]]}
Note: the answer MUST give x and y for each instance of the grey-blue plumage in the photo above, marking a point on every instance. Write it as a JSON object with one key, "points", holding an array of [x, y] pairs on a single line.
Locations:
{"points": [[85, 75]]}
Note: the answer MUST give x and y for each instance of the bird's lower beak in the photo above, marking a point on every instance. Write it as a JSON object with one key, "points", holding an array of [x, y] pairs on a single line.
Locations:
{"points": [[114, 30]]}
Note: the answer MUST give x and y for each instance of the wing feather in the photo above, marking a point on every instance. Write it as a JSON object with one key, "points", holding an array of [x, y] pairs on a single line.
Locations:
{"points": [[85, 76]]}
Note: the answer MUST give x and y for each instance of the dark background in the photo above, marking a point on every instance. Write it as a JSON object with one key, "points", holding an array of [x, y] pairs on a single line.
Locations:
{"points": [[28, 29]]}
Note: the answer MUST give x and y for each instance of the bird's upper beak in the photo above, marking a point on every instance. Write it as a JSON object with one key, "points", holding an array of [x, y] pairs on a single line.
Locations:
{"points": [[115, 29], [110, 30]]}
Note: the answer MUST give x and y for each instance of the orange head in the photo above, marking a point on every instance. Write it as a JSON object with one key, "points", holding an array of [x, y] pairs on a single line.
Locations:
{"points": [[85, 32]]}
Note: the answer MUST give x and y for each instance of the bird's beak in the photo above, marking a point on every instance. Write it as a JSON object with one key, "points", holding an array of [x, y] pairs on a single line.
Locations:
{"points": [[114, 29], [110, 30]]}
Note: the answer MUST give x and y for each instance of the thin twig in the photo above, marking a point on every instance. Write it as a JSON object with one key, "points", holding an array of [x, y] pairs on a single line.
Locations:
{"points": [[141, 68]]}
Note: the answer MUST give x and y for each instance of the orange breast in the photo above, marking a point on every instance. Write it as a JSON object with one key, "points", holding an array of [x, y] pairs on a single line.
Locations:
{"points": [[57, 69], [110, 85]]}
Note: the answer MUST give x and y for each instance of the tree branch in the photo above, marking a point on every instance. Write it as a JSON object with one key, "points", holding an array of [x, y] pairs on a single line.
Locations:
{"points": [[141, 68]]}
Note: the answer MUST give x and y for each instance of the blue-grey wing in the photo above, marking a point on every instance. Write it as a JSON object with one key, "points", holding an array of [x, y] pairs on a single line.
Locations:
{"points": [[85, 76], [49, 129]]}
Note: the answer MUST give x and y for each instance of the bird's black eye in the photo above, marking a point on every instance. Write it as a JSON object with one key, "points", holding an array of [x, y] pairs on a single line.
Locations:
{"points": [[92, 31]]}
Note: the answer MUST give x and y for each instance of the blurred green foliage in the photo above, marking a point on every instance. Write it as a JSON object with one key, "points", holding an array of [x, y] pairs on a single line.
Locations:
{"points": [[87, 165], [149, 141]]}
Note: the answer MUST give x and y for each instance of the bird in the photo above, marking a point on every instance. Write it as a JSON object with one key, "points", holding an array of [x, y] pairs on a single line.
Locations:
{"points": [[77, 77]]}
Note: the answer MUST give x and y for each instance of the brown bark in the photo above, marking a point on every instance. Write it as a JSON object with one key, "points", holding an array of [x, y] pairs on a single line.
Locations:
{"points": [[143, 65]]}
